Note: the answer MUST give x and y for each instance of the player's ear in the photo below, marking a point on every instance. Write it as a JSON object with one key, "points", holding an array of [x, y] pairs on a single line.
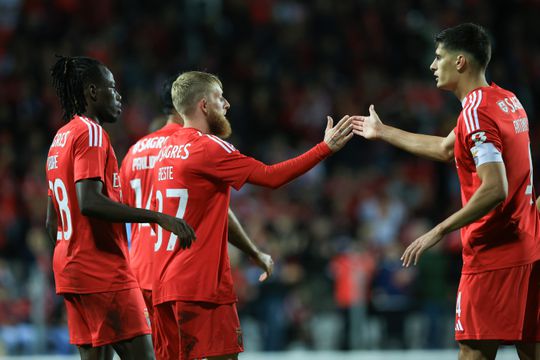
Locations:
{"points": [[461, 61], [203, 105], [91, 91]]}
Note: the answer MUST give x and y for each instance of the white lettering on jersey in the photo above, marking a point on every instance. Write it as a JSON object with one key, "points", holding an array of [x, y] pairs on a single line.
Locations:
{"points": [[149, 143], [174, 152], [521, 125], [95, 132], [165, 173], [60, 139], [485, 153], [52, 162], [511, 103]]}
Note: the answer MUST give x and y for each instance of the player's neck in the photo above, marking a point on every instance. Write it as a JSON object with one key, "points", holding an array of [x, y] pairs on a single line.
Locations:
{"points": [[470, 83], [89, 113], [175, 119], [199, 124]]}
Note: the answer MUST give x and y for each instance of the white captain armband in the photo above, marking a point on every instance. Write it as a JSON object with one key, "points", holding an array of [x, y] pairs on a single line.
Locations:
{"points": [[485, 153]]}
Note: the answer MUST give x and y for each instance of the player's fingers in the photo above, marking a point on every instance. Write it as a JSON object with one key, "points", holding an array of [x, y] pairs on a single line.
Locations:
{"points": [[188, 235], [358, 127], [372, 110], [410, 257], [263, 277], [417, 256], [347, 138], [358, 132], [406, 258], [329, 122], [407, 255], [270, 268], [343, 123]]}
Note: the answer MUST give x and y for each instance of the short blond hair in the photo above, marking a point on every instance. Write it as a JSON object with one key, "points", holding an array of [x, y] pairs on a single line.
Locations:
{"points": [[189, 88]]}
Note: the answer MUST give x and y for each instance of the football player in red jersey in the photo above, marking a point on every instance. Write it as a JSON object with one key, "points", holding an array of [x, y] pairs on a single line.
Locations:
{"points": [[194, 301], [90, 263], [136, 176], [498, 295]]}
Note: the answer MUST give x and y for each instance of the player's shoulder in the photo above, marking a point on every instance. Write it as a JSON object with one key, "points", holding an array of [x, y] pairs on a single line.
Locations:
{"points": [[500, 102], [215, 144], [89, 130], [476, 100]]}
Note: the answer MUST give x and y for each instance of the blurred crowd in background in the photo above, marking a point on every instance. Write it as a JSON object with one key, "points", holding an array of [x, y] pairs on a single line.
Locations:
{"points": [[336, 234]]}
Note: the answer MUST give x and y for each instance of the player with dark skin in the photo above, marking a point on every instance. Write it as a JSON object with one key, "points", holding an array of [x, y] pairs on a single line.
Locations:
{"points": [[89, 90]]}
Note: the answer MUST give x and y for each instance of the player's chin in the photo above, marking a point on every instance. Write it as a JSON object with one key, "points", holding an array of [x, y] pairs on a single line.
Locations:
{"points": [[112, 118], [440, 85]]}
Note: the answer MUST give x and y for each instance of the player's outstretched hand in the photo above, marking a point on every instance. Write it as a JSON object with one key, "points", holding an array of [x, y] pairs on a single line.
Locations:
{"points": [[265, 262], [180, 228], [417, 247], [337, 136], [368, 127]]}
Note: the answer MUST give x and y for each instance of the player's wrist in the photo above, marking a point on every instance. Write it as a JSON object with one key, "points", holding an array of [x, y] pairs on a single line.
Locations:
{"points": [[325, 148], [382, 132]]}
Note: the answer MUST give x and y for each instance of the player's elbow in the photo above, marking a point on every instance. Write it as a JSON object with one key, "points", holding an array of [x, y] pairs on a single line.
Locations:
{"points": [[89, 207], [447, 155], [498, 194]]}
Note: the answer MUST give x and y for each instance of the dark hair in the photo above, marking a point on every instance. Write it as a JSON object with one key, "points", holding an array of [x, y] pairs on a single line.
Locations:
{"points": [[69, 75], [468, 37], [166, 96]]}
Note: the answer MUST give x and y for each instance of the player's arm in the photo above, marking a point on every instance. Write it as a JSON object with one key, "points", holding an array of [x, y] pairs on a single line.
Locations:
{"points": [[93, 203], [239, 238], [538, 203], [492, 191], [274, 176], [51, 222], [433, 147]]}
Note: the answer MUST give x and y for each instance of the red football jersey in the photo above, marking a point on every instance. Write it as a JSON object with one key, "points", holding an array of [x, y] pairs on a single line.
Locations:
{"points": [[192, 179], [493, 126], [90, 255], [136, 177]]}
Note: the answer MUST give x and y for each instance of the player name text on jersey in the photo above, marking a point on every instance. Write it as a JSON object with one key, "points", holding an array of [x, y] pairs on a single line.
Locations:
{"points": [[60, 139], [143, 163], [174, 152], [165, 173], [149, 143], [52, 162], [521, 125]]}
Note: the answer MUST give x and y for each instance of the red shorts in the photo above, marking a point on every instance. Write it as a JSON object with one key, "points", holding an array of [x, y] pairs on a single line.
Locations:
{"points": [[194, 330], [105, 318], [500, 305]]}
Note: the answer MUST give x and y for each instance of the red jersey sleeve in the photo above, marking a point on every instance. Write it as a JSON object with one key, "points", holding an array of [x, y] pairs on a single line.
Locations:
{"points": [[229, 165], [90, 155], [482, 128], [224, 162]]}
